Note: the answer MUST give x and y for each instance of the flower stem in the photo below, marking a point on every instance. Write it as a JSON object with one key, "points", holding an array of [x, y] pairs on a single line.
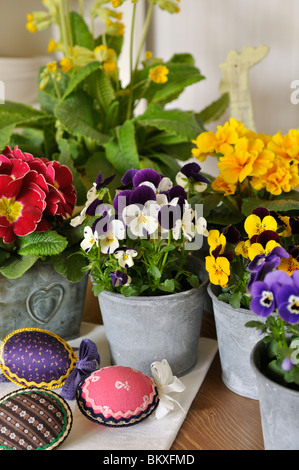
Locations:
{"points": [[129, 110], [144, 33], [81, 4], [63, 28]]}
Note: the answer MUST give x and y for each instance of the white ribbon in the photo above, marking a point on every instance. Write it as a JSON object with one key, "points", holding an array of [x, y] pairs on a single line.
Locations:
{"points": [[166, 383]]}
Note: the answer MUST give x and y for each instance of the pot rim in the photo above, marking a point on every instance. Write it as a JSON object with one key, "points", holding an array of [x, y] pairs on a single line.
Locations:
{"points": [[154, 297], [262, 376], [220, 302]]}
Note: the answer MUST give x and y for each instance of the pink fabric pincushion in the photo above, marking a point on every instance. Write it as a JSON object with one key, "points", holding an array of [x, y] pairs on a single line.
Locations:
{"points": [[117, 396]]}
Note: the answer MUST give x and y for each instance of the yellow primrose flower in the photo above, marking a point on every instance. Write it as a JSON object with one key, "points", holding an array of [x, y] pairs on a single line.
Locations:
{"points": [[52, 46], [219, 184], [30, 24], [159, 74], [289, 265], [115, 3], [218, 269], [258, 249], [278, 178], [236, 166], [52, 67], [206, 143], [148, 55], [253, 224], [66, 65], [109, 65], [242, 248], [215, 239]]}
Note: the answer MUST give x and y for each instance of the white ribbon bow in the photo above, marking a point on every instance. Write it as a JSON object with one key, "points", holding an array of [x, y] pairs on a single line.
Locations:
{"points": [[166, 383]]}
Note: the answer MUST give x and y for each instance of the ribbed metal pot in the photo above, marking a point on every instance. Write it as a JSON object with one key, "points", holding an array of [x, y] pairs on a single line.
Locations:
{"points": [[141, 330]]}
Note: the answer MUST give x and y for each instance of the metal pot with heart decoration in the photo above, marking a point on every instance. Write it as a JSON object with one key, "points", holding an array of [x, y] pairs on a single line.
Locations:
{"points": [[42, 298]]}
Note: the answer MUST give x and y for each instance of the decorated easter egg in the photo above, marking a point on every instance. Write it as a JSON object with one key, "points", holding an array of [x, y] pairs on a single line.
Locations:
{"points": [[33, 419], [117, 396], [32, 357]]}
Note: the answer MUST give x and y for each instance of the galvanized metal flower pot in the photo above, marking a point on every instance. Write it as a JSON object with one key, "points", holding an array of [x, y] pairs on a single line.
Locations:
{"points": [[141, 330], [279, 407], [235, 343], [42, 298]]}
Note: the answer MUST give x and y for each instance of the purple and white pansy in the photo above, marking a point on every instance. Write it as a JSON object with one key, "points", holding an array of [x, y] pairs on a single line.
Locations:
{"points": [[146, 205], [278, 291]]}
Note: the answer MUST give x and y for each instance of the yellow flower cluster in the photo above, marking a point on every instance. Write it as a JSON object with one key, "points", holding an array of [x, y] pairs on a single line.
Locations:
{"points": [[218, 265], [269, 163]]}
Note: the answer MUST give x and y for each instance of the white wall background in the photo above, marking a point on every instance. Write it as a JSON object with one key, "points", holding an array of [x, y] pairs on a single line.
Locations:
{"points": [[208, 29]]}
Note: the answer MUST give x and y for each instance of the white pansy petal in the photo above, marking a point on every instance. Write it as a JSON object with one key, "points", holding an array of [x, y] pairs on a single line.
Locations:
{"points": [[162, 199], [188, 230], [181, 179], [117, 228], [109, 244], [200, 187], [149, 184], [130, 213], [165, 184]]}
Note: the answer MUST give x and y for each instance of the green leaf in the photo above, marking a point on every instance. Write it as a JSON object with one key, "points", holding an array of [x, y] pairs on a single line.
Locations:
{"points": [[181, 75], [193, 280], [79, 77], [42, 244], [278, 205], [5, 135], [17, 266], [215, 110], [168, 285], [122, 151], [235, 299], [70, 264], [76, 114], [154, 271], [80, 32], [65, 159], [101, 89], [177, 122]]}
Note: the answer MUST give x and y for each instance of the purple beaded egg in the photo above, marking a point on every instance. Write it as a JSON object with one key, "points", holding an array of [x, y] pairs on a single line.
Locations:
{"points": [[32, 357]]}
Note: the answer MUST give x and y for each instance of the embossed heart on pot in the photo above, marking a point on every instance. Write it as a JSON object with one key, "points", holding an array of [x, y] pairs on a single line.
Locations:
{"points": [[43, 303]]}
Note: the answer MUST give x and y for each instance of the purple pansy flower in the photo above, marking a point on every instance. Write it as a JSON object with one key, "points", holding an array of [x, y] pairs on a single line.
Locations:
{"points": [[119, 278], [190, 174], [146, 175], [263, 264], [127, 179], [142, 194], [121, 200], [263, 301], [287, 299], [100, 183]]}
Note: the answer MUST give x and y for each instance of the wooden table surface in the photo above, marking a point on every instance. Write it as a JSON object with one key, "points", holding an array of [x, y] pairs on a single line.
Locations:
{"points": [[218, 418]]}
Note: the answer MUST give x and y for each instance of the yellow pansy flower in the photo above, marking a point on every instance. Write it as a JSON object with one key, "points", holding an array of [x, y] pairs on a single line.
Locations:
{"points": [[258, 249], [289, 265], [215, 239], [242, 248], [253, 224], [218, 269], [159, 74]]}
